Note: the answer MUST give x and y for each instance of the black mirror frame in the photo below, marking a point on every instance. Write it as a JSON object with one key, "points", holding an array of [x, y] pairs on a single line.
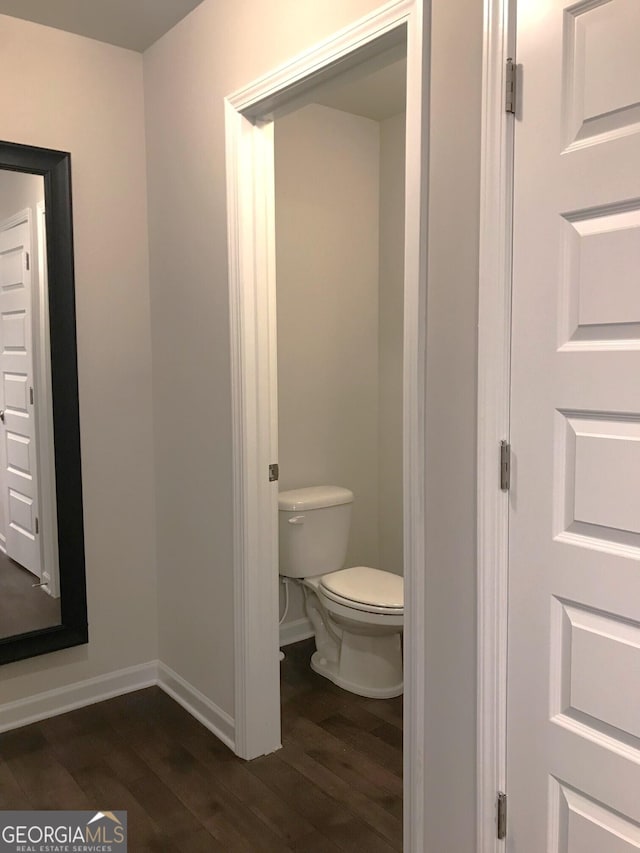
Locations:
{"points": [[55, 168]]}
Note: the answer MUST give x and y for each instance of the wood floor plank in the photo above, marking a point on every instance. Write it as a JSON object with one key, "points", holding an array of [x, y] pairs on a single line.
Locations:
{"points": [[20, 742], [12, 796], [200, 841], [390, 734], [357, 714], [103, 786], [217, 809], [365, 742], [389, 710], [328, 815], [47, 784], [330, 750], [225, 770], [318, 705], [164, 807], [315, 843], [359, 803]]}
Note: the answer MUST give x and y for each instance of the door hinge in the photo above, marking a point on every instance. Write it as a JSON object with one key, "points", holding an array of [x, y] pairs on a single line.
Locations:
{"points": [[37, 525], [505, 466], [31, 395], [274, 472], [27, 260], [502, 815], [510, 86]]}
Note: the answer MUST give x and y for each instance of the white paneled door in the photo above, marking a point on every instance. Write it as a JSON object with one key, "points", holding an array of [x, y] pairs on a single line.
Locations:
{"points": [[573, 765], [18, 477]]}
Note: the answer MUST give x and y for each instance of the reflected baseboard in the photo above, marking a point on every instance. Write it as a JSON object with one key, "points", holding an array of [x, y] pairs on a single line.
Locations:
{"points": [[51, 703]]}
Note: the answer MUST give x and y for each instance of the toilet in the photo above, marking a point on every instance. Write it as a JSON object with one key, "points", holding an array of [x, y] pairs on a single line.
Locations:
{"points": [[357, 613]]}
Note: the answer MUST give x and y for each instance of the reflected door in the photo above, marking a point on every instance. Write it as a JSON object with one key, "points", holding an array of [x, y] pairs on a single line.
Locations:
{"points": [[573, 773], [19, 460]]}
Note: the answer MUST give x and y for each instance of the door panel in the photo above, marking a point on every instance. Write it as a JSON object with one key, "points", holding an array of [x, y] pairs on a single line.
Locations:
{"points": [[585, 826], [19, 470], [600, 69], [573, 751]]}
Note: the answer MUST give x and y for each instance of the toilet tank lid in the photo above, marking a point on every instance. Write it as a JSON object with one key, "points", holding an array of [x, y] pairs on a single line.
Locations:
{"points": [[313, 497]]}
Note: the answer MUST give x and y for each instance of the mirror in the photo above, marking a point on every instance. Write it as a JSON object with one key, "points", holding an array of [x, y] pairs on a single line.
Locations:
{"points": [[42, 570]]}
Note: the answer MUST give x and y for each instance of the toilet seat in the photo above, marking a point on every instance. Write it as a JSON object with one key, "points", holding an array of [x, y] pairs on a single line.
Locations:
{"points": [[363, 588], [358, 643]]}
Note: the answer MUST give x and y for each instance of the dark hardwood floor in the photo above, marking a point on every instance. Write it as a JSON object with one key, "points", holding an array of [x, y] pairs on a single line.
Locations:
{"points": [[335, 785], [22, 607]]}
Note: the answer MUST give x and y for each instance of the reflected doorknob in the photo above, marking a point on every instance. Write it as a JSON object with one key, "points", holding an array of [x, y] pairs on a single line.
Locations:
{"points": [[2, 415]]}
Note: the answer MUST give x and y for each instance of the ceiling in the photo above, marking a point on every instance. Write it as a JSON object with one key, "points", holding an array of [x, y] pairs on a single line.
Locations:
{"points": [[134, 24], [377, 93], [375, 88]]}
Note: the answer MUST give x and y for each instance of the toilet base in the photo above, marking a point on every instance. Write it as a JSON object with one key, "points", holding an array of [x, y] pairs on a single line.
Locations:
{"points": [[377, 676]]}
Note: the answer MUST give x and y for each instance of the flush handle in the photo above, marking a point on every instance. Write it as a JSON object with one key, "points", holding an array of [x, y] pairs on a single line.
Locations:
{"points": [[297, 519]]}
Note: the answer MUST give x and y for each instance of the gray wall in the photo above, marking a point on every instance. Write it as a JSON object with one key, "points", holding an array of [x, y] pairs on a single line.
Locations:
{"points": [[390, 343], [79, 95], [327, 167], [451, 425], [19, 192]]}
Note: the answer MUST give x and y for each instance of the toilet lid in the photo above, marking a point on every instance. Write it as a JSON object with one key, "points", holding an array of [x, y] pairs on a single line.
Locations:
{"points": [[370, 587]]}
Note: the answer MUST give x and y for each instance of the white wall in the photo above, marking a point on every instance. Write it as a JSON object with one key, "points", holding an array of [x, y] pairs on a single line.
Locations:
{"points": [[327, 196], [391, 341], [70, 93], [19, 191], [340, 265]]}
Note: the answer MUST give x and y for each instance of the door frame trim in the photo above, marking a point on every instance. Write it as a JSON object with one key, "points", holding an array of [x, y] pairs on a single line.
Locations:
{"points": [[251, 239], [47, 470], [494, 369]]}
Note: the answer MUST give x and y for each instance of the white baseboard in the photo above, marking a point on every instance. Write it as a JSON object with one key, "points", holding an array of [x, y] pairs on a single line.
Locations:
{"points": [[13, 715], [293, 632], [197, 704]]}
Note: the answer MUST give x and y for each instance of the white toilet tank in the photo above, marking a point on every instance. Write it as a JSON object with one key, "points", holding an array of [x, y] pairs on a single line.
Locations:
{"points": [[314, 530]]}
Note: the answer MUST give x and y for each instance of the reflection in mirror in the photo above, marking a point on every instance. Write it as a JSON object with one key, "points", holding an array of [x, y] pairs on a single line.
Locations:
{"points": [[29, 588], [42, 569]]}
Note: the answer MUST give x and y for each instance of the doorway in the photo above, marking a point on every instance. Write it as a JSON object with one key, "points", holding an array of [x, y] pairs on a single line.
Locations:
{"points": [[339, 195], [250, 114]]}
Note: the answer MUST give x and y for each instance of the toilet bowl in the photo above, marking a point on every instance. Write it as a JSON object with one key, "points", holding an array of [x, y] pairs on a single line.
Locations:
{"points": [[357, 613]]}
